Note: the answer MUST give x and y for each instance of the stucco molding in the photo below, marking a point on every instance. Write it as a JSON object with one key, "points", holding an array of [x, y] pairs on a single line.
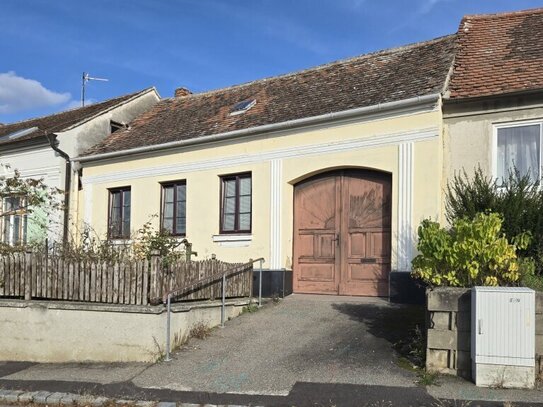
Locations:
{"points": [[291, 152], [405, 206], [276, 175]]}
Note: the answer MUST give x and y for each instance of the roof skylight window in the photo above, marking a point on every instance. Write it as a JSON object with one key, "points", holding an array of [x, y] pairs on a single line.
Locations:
{"points": [[242, 107], [20, 133]]}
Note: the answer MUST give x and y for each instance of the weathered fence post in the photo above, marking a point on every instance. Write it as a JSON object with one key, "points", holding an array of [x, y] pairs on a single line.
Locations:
{"points": [[28, 275], [188, 251], [155, 278]]}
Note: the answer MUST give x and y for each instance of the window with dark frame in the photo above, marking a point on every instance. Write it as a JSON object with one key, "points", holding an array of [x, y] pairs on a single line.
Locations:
{"points": [[174, 208], [119, 213], [236, 203]]}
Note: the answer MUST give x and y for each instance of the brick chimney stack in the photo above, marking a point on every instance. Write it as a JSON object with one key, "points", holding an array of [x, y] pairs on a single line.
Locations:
{"points": [[182, 92]]}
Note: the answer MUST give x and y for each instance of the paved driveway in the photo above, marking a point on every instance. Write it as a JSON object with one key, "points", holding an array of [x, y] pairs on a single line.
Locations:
{"points": [[305, 351], [304, 338]]}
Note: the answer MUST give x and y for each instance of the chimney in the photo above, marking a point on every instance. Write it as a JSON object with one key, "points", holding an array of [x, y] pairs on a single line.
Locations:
{"points": [[182, 92]]}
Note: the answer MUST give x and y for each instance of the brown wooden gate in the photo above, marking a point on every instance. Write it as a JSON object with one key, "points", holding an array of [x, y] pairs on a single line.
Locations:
{"points": [[342, 233]]}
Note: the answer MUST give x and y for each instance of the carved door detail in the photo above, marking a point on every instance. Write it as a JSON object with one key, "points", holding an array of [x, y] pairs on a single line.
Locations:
{"points": [[342, 233]]}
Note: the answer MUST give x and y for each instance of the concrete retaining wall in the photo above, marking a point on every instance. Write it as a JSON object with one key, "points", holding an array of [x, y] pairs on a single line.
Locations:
{"points": [[449, 333], [66, 332]]}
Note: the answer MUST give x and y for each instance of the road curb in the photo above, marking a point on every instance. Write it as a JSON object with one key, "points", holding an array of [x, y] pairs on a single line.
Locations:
{"points": [[18, 397]]}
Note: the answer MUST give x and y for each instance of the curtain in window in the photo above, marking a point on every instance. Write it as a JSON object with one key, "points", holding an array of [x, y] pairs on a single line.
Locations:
{"points": [[519, 149]]}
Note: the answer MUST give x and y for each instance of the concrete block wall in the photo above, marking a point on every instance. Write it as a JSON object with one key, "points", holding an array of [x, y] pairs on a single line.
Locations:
{"points": [[448, 348], [55, 331]]}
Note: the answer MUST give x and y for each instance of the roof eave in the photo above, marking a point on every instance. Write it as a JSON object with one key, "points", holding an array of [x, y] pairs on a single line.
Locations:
{"points": [[466, 99], [27, 143], [115, 106], [291, 124]]}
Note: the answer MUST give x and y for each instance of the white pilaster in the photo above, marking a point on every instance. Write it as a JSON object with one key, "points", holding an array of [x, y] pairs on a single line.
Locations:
{"points": [[405, 206], [276, 175]]}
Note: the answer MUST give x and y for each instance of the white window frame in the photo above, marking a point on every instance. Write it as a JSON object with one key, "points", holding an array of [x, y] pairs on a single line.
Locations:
{"points": [[511, 124], [23, 232]]}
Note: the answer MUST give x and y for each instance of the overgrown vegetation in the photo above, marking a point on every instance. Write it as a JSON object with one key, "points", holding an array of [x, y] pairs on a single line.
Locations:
{"points": [[471, 252], [428, 378], [412, 349], [146, 242], [495, 237], [250, 308], [200, 330], [21, 197], [519, 201]]}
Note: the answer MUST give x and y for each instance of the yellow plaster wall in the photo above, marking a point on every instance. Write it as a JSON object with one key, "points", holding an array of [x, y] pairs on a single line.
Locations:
{"points": [[203, 185]]}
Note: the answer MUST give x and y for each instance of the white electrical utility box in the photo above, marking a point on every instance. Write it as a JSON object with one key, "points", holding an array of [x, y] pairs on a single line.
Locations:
{"points": [[503, 336]]}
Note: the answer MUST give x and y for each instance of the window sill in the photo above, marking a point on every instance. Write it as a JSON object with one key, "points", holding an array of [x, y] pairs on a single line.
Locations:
{"points": [[120, 241], [234, 240]]}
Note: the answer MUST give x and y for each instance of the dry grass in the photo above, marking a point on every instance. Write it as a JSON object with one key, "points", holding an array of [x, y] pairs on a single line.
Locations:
{"points": [[200, 330]]}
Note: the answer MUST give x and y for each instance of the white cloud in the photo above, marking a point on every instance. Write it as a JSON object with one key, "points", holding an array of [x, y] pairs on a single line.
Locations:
{"points": [[18, 94]]}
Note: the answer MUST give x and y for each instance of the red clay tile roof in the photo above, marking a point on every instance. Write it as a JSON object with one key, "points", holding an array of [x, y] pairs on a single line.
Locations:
{"points": [[498, 54], [60, 121], [386, 76]]}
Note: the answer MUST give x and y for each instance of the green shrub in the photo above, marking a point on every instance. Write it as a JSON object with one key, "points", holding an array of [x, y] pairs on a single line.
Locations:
{"points": [[471, 252], [518, 200]]}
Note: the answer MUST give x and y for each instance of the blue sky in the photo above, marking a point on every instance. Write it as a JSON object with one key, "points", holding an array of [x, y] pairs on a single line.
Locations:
{"points": [[199, 44]]}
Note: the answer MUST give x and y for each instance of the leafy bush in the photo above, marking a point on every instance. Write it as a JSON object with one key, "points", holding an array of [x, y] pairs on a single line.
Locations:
{"points": [[471, 252], [518, 200], [147, 241]]}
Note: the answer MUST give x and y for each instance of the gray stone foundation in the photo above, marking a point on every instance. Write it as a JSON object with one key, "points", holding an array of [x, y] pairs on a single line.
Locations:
{"points": [[449, 331]]}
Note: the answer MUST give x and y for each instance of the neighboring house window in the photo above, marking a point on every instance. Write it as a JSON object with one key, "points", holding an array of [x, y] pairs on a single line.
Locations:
{"points": [[119, 213], [14, 220], [174, 208], [519, 148], [236, 203]]}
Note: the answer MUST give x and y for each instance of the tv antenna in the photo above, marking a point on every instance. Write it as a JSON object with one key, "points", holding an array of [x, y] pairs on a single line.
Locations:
{"points": [[84, 79]]}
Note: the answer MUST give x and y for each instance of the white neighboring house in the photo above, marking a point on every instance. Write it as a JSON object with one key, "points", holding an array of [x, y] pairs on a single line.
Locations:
{"points": [[41, 148]]}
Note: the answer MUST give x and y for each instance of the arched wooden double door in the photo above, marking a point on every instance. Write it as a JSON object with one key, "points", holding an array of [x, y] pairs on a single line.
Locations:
{"points": [[342, 233]]}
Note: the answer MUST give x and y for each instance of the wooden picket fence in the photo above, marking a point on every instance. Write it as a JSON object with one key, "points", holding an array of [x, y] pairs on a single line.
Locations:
{"points": [[44, 276]]}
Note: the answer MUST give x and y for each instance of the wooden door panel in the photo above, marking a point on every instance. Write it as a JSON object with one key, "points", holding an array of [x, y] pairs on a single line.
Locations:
{"points": [[359, 272], [342, 223], [316, 226], [379, 245], [366, 234], [317, 272], [370, 288]]}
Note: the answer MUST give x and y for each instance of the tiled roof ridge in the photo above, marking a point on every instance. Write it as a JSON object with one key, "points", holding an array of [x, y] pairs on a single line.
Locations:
{"points": [[81, 107], [502, 14], [319, 67]]}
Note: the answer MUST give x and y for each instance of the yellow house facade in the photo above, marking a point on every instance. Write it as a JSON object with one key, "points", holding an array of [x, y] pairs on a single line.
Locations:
{"points": [[333, 195]]}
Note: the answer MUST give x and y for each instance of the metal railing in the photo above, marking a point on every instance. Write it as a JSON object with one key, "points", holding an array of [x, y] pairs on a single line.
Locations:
{"points": [[167, 297]]}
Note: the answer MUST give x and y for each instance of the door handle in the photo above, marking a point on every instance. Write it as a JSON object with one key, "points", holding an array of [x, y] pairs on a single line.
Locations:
{"points": [[336, 239]]}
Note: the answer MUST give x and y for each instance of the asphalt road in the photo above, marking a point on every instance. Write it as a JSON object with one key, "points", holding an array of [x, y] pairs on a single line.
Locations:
{"points": [[306, 350]]}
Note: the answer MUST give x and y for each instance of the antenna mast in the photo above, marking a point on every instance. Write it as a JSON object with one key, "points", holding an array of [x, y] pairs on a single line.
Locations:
{"points": [[84, 79]]}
